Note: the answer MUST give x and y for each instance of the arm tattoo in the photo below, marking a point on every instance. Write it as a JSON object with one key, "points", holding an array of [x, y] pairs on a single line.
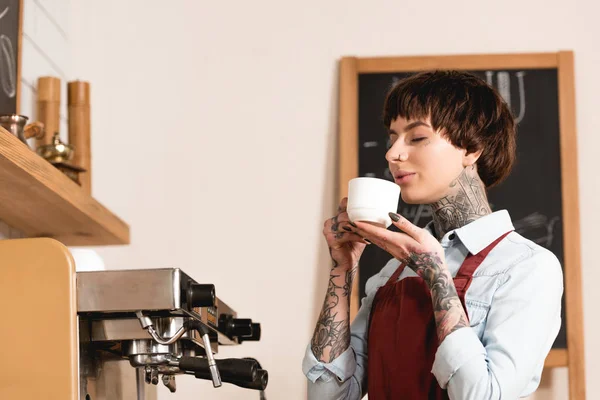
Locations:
{"points": [[447, 309], [466, 202], [332, 333], [348, 283]]}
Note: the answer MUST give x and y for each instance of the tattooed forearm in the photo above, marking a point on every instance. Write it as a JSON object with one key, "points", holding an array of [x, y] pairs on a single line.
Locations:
{"points": [[466, 202], [332, 333], [349, 280], [448, 311]]}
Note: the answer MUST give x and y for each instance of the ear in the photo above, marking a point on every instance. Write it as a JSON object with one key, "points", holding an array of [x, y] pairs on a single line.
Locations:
{"points": [[471, 158]]}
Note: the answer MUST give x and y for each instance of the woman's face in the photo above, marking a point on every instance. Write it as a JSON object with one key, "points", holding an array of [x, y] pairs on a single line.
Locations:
{"points": [[423, 162]]}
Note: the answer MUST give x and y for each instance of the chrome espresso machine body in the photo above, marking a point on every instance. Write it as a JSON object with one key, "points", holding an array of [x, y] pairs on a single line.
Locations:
{"points": [[162, 322]]}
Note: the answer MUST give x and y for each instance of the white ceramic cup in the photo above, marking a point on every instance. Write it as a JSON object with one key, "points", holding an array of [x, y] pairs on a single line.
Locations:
{"points": [[371, 199]]}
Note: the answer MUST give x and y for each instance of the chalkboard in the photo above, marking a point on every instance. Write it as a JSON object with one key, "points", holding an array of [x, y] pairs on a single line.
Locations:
{"points": [[531, 194], [10, 44], [541, 194]]}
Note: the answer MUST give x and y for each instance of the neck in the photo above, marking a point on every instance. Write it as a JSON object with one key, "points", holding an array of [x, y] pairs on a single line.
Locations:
{"points": [[465, 202]]}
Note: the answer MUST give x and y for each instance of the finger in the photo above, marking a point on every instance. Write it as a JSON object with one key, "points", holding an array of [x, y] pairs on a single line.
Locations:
{"points": [[369, 229], [339, 223], [344, 226], [343, 204], [345, 237], [334, 225], [374, 234], [382, 237], [343, 217], [405, 226]]}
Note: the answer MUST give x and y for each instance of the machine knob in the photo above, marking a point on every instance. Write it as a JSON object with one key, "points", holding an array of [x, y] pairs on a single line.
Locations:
{"points": [[240, 327], [201, 295], [233, 327], [255, 336]]}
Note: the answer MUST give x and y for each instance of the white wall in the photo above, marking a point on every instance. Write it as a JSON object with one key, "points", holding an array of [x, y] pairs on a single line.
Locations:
{"points": [[214, 137]]}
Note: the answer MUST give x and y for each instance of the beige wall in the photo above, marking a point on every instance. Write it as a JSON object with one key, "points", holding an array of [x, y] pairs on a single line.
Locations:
{"points": [[214, 137]]}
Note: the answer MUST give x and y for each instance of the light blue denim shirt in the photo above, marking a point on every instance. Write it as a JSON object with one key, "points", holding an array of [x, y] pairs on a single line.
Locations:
{"points": [[513, 303]]}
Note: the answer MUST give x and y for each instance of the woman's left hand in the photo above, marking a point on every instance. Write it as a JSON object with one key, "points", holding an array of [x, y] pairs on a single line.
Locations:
{"points": [[414, 246]]}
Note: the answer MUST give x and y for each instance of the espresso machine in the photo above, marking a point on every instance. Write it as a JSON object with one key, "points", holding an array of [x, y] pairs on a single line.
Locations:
{"points": [[112, 334], [164, 324]]}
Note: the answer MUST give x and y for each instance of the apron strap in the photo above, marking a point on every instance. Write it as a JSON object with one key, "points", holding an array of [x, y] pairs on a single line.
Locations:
{"points": [[464, 276], [396, 274], [468, 267]]}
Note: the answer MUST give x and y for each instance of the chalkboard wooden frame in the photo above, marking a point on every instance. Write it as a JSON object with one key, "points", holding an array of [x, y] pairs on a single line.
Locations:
{"points": [[563, 61]]}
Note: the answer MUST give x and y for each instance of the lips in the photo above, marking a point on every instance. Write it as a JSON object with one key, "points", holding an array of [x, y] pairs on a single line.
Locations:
{"points": [[403, 176]]}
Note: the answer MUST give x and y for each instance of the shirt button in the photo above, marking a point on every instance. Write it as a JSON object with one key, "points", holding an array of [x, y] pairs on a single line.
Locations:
{"points": [[452, 236]]}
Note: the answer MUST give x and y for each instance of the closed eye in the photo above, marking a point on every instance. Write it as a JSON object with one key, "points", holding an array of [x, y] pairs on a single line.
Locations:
{"points": [[419, 139]]}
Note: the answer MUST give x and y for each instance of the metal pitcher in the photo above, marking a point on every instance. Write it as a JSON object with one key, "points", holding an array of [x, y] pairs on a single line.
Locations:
{"points": [[17, 125]]}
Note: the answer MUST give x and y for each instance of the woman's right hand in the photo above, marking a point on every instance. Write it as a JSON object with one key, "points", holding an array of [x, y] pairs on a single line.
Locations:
{"points": [[345, 247]]}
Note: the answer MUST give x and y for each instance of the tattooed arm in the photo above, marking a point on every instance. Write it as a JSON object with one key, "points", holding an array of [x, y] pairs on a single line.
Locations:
{"points": [[447, 308], [421, 252], [346, 376], [332, 333], [336, 357]]}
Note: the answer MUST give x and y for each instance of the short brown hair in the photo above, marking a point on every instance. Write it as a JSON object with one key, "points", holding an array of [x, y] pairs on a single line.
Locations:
{"points": [[470, 113]]}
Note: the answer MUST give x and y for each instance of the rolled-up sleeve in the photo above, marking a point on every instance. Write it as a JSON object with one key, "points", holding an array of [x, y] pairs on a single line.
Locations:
{"points": [[343, 377], [522, 324], [346, 376], [343, 367]]}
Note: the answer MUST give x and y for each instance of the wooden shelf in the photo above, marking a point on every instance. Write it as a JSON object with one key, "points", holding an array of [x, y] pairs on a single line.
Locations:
{"points": [[40, 201]]}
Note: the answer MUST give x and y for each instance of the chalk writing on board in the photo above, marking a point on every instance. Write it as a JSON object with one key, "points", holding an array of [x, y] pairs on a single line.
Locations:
{"points": [[415, 214], [8, 70], [537, 227], [503, 79]]}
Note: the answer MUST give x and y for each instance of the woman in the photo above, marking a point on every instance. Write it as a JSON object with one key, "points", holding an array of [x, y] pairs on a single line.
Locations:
{"points": [[467, 308]]}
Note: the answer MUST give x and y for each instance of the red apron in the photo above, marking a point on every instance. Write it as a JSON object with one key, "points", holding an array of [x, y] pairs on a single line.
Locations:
{"points": [[403, 336]]}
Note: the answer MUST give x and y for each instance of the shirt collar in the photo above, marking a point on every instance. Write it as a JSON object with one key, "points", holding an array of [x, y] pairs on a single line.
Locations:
{"points": [[480, 233]]}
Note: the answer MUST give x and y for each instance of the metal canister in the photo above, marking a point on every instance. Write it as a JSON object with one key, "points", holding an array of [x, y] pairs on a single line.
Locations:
{"points": [[17, 125]]}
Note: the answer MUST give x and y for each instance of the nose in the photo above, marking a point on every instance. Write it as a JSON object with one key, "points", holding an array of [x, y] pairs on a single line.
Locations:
{"points": [[397, 152]]}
